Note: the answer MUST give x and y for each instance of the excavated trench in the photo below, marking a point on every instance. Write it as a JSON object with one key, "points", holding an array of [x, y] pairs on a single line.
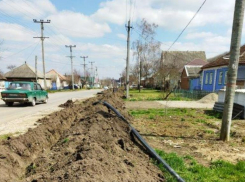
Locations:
{"points": [[82, 142]]}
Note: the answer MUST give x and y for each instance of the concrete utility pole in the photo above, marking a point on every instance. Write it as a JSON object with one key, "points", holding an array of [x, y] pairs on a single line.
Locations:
{"points": [[120, 80], [96, 74], [127, 63], [72, 74], [36, 67], [92, 73], [84, 67], [42, 39], [232, 69]]}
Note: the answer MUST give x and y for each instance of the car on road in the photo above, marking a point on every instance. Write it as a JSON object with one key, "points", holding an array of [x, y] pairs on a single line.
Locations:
{"points": [[24, 92]]}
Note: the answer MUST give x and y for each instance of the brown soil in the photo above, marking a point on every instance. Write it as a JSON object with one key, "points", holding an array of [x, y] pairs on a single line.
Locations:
{"points": [[212, 97], [82, 142], [143, 104]]}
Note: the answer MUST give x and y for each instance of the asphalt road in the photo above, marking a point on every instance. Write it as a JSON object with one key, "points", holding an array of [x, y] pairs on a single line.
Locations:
{"points": [[20, 117]]}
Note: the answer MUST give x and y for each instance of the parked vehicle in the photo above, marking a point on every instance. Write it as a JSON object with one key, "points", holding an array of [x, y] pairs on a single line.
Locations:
{"points": [[24, 92]]}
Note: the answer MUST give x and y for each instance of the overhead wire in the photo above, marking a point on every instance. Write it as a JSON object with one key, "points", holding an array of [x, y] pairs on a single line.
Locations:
{"points": [[187, 25], [32, 51], [35, 43]]}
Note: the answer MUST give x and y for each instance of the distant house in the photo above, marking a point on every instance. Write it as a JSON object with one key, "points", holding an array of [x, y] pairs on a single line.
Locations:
{"points": [[26, 73], [58, 80], [2, 82], [190, 75], [214, 74], [174, 61], [77, 79]]}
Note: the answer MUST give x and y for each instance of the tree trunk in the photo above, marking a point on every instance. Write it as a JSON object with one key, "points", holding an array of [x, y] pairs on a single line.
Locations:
{"points": [[232, 69]]}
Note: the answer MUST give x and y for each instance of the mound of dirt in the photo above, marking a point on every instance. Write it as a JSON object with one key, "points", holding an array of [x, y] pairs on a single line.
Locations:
{"points": [[82, 142], [68, 103], [212, 97]]}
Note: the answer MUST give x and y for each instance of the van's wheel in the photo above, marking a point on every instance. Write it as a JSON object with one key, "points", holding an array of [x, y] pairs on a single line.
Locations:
{"points": [[9, 103], [33, 103], [45, 100]]}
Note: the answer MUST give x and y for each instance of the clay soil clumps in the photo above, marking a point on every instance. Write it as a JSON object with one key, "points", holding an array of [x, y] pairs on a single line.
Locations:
{"points": [[82, 142]]}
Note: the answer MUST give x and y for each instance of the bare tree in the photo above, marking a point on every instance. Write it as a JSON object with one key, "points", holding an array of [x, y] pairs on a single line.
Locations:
{"points": [[77, 77], [11, 67], [146, 50]]}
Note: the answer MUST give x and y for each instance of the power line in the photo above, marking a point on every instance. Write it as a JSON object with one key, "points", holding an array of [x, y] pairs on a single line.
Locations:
{"points": [[187, 25], [21, 50], [32, 51]]}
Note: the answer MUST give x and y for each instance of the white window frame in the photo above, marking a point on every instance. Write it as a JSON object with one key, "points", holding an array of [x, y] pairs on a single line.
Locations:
{"points": [[206, 78], [210, 78], [220, 77]]}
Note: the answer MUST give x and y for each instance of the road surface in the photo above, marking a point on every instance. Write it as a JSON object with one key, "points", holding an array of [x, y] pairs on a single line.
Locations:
{"points": [[18, 118]]}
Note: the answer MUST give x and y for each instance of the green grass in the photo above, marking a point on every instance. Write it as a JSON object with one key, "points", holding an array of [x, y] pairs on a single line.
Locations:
{"points": [[182, 112], [191, 171], [64, 90], [8, 135], [161, 112], [5, 137], [65, 140], [151, 95]]}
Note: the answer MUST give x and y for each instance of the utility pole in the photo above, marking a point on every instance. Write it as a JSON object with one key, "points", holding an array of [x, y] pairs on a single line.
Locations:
{"points": [[96, 74], [232, 69], [36, 67], [92, 81], [128, 27], [72, 74], [84, 67], [120, 80], [42, 39]]}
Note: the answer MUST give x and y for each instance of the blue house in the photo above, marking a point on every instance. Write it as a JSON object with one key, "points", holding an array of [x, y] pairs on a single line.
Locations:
{"points": [[214, 74], [190, 76]]}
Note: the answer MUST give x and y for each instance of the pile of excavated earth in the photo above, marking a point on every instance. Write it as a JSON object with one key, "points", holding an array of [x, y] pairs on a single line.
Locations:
{"points": [[82, 142], [212, 97]]}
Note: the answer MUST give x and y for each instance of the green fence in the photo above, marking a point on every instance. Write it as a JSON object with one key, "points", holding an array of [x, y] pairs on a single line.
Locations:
{"points": [[192, 94]]}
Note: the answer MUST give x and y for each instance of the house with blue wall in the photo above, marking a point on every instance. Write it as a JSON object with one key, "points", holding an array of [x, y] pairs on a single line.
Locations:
{"points": [[214, 74], [190, 76]]}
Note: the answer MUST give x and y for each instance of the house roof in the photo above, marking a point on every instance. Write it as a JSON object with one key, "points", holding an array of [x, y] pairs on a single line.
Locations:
{"points": [[181, 58], [192, 71], [52, 73], [24, 71], [194, 62], [197, 62], [223, 59], [2, 77]]}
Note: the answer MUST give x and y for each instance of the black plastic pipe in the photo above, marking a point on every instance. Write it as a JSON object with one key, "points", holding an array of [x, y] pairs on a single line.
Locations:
{"points": [[143, 142]]}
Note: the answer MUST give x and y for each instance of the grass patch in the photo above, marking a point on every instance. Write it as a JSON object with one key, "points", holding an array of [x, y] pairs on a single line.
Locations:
{"points": [[162, 112], [191, 171], [213, 114], [184, 114], [5, 136], [64, 90], [8, 136], [151, 95], [65, 140]]}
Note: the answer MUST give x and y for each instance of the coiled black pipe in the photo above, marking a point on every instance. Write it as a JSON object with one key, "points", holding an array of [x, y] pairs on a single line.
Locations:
{"points": [[143, 142]]}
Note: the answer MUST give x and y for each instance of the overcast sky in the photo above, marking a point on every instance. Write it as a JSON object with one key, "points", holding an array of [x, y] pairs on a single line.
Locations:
{"points": [[97, 28]]}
